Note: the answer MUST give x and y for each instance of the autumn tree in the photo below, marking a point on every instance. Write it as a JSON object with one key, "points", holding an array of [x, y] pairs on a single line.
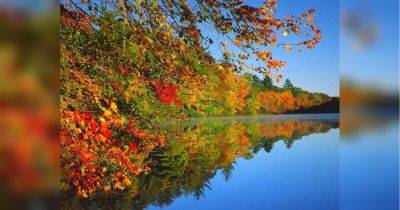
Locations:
{"points": [[125, 65], [251, 29]]}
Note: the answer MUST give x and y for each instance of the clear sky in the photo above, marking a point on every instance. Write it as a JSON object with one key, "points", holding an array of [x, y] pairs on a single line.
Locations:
{"points": [[377, 64], [315, 70]]}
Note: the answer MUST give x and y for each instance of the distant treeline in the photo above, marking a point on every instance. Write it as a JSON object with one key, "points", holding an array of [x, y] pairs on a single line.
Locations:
{"points": [[331, 106]]}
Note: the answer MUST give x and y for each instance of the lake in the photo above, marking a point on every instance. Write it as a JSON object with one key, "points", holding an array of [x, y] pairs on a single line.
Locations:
{"points": [[261, 162], [369, 164]]}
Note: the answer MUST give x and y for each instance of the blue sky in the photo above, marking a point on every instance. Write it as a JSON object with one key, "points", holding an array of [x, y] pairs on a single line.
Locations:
{"points": [[377, 64], [315, 70]]}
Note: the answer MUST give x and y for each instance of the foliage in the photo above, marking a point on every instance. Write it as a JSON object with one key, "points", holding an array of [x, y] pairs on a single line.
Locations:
{"points": [[130, 64], [102, 153], [168, 93]]}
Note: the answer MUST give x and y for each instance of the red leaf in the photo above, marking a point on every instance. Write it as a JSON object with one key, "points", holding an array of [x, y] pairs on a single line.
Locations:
{"points": [[92, 125], [133, 147], [107, 133]]}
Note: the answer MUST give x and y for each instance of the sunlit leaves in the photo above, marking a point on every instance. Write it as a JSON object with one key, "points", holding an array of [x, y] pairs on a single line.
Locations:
{"points": [[274, 64], [149, 61], [90, 147], [251, 28]]}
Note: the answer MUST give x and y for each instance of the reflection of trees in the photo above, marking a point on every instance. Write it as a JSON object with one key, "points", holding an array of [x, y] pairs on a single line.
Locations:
{"points": [[196, 152], [227, 172]]}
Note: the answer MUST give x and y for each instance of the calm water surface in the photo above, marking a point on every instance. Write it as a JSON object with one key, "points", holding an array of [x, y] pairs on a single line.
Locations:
{"points": [[369, 168], [301, 176], [263, 162]]}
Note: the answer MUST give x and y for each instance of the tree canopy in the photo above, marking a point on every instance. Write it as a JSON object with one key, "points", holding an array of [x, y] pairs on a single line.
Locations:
{"points": [[128, 65], [252, 29]]}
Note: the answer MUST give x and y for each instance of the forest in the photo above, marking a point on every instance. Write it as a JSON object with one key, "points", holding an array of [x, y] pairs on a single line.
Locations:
{"points": [[127, 66]]}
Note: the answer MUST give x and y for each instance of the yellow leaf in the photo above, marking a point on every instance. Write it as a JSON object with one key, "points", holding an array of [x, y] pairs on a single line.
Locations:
{"points": [[123, 120], [118, 185], [114, 107], [107, 113], [285, 33]]}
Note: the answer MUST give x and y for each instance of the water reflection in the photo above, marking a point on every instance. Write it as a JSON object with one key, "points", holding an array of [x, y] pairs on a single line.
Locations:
{"points": [[200, 149], [369, 160]]}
